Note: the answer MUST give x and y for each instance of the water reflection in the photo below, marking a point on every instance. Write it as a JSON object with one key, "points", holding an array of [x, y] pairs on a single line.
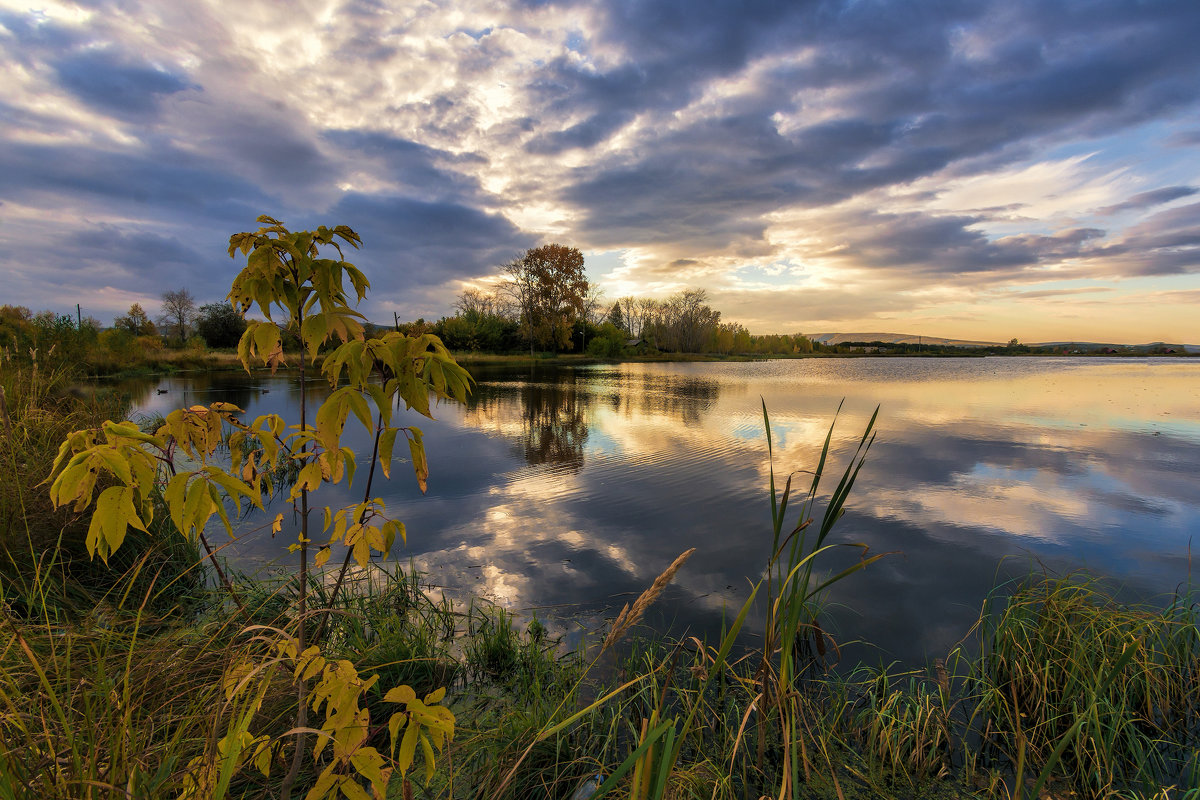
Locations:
{"points": [[576, 487], [547, 412]]}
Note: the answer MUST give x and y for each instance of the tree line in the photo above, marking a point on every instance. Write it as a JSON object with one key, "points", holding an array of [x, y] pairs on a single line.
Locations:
{"points": [[544, 302]]}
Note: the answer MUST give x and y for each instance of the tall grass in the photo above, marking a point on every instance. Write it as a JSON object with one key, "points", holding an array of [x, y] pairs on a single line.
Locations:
{"points": [[1113, 689]]}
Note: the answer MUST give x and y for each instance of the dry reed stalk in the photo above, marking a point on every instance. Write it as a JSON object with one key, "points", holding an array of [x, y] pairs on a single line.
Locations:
{"points": [[7, 423], [630, 616]]}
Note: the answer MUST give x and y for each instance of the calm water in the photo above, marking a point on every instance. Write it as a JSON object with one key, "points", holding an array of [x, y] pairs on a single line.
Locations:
{"points": [[570, 489]]}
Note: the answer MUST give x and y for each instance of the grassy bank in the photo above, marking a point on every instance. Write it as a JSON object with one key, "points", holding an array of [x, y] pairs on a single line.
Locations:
{"points": [[1055, 699]]}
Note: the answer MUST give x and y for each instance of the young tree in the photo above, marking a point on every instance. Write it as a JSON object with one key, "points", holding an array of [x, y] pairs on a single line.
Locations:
{"points": [[135, 322], [616, 318], [178, 313], [220, 324], [285, 276]]}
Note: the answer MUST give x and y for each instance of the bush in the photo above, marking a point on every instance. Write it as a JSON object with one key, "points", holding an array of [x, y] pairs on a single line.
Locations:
{"points": [[220, 325], [609, 343]]}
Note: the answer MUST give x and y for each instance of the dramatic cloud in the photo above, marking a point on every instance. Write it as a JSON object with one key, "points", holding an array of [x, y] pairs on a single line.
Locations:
{"points": [[948, 166]]}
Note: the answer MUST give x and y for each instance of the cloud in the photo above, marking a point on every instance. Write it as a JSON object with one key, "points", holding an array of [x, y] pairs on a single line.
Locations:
{"points": [[411, 246], [115, 83], [976, 146], [1151, 198]]}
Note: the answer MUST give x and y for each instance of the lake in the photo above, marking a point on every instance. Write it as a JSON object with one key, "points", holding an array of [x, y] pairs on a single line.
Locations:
{"points": [[565, 491]]}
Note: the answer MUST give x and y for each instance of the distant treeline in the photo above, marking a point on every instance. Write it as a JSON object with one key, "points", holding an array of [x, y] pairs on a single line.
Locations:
{"points": [[682, 323], [83, 343]]}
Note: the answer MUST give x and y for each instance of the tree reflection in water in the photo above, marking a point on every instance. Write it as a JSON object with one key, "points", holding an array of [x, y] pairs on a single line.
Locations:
{"points": [[554, 407]]}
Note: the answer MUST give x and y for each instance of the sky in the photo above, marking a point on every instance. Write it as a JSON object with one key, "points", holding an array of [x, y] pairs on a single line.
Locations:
{"points": [[973, 169]]}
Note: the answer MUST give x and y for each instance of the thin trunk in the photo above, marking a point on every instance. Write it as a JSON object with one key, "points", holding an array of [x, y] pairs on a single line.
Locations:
{"points": [[285, 790], [212, 556], [320, 634]]}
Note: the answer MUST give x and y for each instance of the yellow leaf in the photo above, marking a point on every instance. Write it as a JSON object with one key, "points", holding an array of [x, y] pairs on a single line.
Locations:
{"points": [[308, 479], [369, 763], [387, 440], [174, 495], [325, 782], [435, 696], [395, 724], [400, 694], [321, 557], [416, 447], [196, 510], [262, 756], [352, 790], [277, 524], [408, 748], [427, 749]]}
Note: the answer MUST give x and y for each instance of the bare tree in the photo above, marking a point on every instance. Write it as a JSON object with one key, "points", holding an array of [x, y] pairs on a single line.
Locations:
{"points": [[474, 303], [593, 309], [178, 313], [520, 290]]}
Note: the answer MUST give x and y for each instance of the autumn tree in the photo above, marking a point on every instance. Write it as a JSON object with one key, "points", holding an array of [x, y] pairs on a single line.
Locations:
{"points": [[135, 322], [178, 313], [548, 287]]}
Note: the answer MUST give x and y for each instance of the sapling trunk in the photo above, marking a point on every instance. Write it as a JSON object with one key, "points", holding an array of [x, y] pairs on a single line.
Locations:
{"points": [[320, 634], [285, 790]]}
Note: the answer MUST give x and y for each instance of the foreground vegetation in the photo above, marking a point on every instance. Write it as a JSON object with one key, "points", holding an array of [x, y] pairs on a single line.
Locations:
{"points": [[157, 676]]}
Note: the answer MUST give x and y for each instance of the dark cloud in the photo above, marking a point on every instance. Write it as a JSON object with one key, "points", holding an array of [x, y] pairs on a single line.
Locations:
{"points": [[948, 246], [1166, 243], [1042, 293], [412, 245], [1151, 198], [33, 32], [141, 252], [164, 184], [115, 83], [419, 169], [1184, 139], [915, 99]]}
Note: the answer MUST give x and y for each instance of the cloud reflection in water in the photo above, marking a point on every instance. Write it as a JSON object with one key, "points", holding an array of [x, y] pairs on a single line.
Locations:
{"points": [[575, 487]]}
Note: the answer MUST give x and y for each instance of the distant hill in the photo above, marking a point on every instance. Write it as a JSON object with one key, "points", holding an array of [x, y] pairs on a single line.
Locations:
{"points": [[906, 338], [897, 338]]}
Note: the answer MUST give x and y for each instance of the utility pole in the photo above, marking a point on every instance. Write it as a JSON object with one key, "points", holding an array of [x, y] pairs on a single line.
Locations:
{"points": [[78, 317]]}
